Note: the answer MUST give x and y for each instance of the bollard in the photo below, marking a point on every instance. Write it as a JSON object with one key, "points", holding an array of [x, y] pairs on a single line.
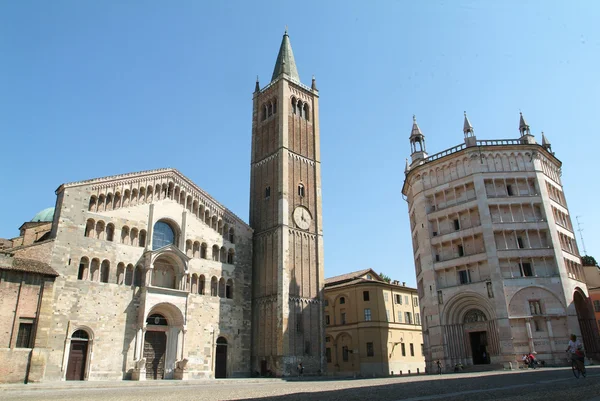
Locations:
{"points": [[409, 372], [417, 370], [392, 373], [400, 373]]}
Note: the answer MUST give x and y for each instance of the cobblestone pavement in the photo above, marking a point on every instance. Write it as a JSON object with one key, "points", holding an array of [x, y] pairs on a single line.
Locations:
{"points": [[543, 384]]}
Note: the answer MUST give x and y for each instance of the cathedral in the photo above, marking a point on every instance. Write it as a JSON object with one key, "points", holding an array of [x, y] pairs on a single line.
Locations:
{"points": [[145, 276]]}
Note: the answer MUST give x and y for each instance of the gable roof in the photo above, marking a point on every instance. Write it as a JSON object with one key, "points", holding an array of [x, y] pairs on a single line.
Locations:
{"points": [[351, 276], [30, 266], [176, 174]]}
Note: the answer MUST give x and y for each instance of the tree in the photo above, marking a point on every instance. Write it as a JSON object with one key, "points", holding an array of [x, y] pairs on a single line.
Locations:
{"points": [[588, 261], [385, 278]]}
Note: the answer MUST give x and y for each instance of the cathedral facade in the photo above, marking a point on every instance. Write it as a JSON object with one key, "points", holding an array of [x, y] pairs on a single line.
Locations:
{"points": [[145, 276], [498, 268]]}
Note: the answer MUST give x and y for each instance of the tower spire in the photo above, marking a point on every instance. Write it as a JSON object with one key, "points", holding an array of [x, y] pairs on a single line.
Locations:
{"points": [[285, 63], [467, 127], [257, 86], [417, 142], [523, 126]]}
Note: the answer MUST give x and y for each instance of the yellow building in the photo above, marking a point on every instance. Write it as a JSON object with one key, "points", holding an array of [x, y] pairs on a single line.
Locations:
{"points": [[372, 327]]}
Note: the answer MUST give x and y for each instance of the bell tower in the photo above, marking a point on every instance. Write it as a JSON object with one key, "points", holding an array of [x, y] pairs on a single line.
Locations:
{"points": [[285, 213]]}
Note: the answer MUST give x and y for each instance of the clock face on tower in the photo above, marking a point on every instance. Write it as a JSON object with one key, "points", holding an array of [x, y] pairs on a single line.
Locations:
{"points": [[302, 217]]}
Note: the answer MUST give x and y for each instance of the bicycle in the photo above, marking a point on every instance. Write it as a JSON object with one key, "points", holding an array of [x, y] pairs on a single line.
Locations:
{"points": [[576, 366]]}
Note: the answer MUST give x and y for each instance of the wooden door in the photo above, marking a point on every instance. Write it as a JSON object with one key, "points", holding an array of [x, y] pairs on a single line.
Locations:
{"points": [[155, 347], [221, 361], [77, 359]]}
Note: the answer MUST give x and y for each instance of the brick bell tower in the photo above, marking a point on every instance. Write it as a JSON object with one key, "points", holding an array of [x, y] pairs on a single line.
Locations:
{"points": [[285, 213]]}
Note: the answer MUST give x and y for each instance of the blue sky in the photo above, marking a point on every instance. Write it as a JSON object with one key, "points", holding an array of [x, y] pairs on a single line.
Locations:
{"points": [[90, 89]]}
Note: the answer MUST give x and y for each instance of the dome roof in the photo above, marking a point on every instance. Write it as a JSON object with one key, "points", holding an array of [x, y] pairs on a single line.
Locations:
{"points": [[44, 215]]}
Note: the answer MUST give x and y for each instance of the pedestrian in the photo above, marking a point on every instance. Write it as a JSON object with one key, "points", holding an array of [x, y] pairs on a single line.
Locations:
{"points": [[439, 367], [300, 369]]}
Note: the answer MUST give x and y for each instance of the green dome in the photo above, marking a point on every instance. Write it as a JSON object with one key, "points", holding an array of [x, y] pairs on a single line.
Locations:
{"points": [[44, 215]]}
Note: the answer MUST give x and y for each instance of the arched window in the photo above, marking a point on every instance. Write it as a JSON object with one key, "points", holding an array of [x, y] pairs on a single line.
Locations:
{"points": [[120, 273], [134, 236], [215, 253], [134, 196], [342, 300], [270, 109], [293, 105], [126, 197], [267, 192], [214, 223], [201, 284], [204, 251], [301, 190], [84, 266], [275, 106], [207, 217], [129, 275], [264, 112], [80, 335], [157, 320], [306, 112], [142, 194], [230, 256], [231, 236], [125, 235], [100, 229], [104, 271], [188, 248], [196, 249], [94, 270], [299, 108], [222, 288], [109, 202], [93, 201], [89, 228], [142, 238], [213, 286], [194, 285], [164, 273], [229, 289], [137, 276], [101, 203], [163, 235], [223, 255], [110, 232], [117, 200]]}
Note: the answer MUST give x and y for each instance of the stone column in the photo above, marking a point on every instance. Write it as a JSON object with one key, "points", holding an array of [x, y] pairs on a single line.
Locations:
{"points": [[550, 336], [529, 335], [150, 226]]}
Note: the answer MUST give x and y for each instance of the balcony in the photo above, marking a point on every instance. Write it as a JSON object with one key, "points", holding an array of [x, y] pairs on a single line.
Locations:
{"points": [[438, 238], [460, 260]]}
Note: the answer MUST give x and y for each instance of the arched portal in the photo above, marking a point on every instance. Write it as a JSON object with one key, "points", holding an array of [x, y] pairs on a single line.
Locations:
{"points": [[78, 355], [587, 324], [155, 346], [221, 358]]}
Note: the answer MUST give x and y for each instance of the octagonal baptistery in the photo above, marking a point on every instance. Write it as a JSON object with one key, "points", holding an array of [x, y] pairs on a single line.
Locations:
{"points": [[497, 265], [154, 282]]}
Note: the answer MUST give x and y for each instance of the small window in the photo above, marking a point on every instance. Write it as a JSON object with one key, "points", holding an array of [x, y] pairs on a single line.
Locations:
{"points": [[408, 317], [406, 299], [398, 299], [464, 277], [345, 353], [370, 349], [417, 318], [387, 314], [343, 317], [365, 295], [509, 190], [267, 192], [456, 224], [301, 190], [385, 296], [369, 277], [328, 354], [415, 301], [461, 251], [25, 335], [403, 349], [520, 243], [342, 300], [399, 316], [327, 339], [526, 270], [326, 302], [367, 315], [327, 320], [412, 349], [538, 325]]}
